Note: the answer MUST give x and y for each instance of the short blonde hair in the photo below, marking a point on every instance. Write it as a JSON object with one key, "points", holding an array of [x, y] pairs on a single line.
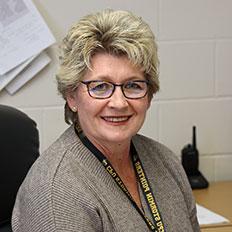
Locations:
{"points": [[119, 33]]}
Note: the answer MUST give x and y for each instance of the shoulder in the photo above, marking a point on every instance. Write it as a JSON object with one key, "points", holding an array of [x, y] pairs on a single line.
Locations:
{"points": [[155, 150], [54, 163], [160, 157], [161, 163], [49, 162], [52, 187]]}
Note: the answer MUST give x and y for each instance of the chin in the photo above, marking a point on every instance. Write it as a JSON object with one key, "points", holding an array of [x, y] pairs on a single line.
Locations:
{"points": [[118, 137]]}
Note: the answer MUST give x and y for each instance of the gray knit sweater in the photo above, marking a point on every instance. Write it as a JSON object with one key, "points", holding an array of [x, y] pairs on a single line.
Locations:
{"points": [[68, 189]]}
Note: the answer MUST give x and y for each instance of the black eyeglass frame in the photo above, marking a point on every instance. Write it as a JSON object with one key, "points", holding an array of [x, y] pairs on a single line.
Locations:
{"points": [[114, 86]]}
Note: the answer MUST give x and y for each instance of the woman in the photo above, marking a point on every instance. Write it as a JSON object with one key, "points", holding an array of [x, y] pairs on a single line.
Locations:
{"points": [[100, 175]]}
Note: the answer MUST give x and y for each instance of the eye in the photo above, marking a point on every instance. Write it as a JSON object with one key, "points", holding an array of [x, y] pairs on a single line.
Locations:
{"points": [[100, 87], [134, 85]]}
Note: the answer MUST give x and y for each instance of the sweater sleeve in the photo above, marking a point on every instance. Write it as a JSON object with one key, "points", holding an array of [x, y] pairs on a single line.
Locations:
{"points": [[55, 203], [33, 208], [74, 207], [188, 195], [54, 208], [194, 220], [179, 175]]}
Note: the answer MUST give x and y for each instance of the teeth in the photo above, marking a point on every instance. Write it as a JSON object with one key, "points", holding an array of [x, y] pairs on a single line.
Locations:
{"points": [[116, 119]]}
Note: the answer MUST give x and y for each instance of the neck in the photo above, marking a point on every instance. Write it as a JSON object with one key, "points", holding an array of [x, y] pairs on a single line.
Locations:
{"points": [[118, 154], [119, 157], [120, 160]]}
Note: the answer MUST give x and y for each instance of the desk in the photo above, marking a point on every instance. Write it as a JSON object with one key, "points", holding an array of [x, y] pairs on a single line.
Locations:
{"points": [[218, 198]]}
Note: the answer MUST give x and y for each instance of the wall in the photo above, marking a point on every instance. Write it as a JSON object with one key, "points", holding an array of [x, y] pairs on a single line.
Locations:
{"points": [[195, 49]]}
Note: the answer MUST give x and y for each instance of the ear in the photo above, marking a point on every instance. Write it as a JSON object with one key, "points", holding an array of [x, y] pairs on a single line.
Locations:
{"points": [[71, 100]]}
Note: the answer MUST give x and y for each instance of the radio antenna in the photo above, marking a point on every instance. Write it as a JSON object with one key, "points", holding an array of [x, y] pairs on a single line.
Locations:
{"points": [[194, 138]]}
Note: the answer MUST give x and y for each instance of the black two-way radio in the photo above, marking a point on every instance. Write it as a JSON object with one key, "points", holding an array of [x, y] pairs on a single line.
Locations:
{"points": [[190, 162]]}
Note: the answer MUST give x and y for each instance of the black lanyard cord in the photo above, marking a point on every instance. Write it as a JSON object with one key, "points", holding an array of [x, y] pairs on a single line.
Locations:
{"points": [[158, 225], [147, 190]]}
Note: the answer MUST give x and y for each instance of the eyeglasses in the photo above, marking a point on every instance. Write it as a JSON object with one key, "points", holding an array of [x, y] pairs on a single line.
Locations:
{"points": [[135, 89]]}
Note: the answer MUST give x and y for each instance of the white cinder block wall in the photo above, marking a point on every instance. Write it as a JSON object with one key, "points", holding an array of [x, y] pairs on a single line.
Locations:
{"points": [[195, 50]]}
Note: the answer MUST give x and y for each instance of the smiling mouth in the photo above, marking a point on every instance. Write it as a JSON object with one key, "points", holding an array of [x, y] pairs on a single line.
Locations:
{"points": [[116, 119]]}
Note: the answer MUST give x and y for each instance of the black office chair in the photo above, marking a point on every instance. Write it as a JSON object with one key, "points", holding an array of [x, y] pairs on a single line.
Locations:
{"points": [[19, 148]]}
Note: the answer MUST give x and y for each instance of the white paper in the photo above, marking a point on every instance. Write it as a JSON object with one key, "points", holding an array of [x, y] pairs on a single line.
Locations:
{"points": [[23, 33], [28, 73], [9, 76], [207, 217]]}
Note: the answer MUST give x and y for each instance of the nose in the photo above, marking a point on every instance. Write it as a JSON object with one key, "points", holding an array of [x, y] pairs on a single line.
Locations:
{"points": [[118, 100]]}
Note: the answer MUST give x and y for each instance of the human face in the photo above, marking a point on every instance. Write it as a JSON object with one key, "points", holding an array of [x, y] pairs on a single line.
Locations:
{"points": [[116, 119]]}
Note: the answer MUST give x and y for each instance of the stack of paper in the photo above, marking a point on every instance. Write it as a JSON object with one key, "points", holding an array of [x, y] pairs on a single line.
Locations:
{"points": [[207, 217], [23, 38]]}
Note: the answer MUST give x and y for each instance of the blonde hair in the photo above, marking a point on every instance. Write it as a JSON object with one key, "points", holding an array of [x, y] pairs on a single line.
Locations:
{"points": [[119, 33]]}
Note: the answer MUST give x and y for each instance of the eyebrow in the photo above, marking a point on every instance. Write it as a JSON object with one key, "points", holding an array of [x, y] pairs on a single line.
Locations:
{"points": [[111, 79]]}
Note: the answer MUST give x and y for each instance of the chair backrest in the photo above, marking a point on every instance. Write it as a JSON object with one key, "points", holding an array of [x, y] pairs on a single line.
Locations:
{"points": [[19, 148]]}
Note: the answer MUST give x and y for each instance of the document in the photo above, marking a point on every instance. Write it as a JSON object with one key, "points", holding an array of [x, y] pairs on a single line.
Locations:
{"points": [[207, 217], [23, 33], [35, 66], [5, 79]]}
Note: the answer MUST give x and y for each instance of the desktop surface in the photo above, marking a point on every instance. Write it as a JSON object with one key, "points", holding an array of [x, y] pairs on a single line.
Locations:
{"points": [[217, 198]]}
